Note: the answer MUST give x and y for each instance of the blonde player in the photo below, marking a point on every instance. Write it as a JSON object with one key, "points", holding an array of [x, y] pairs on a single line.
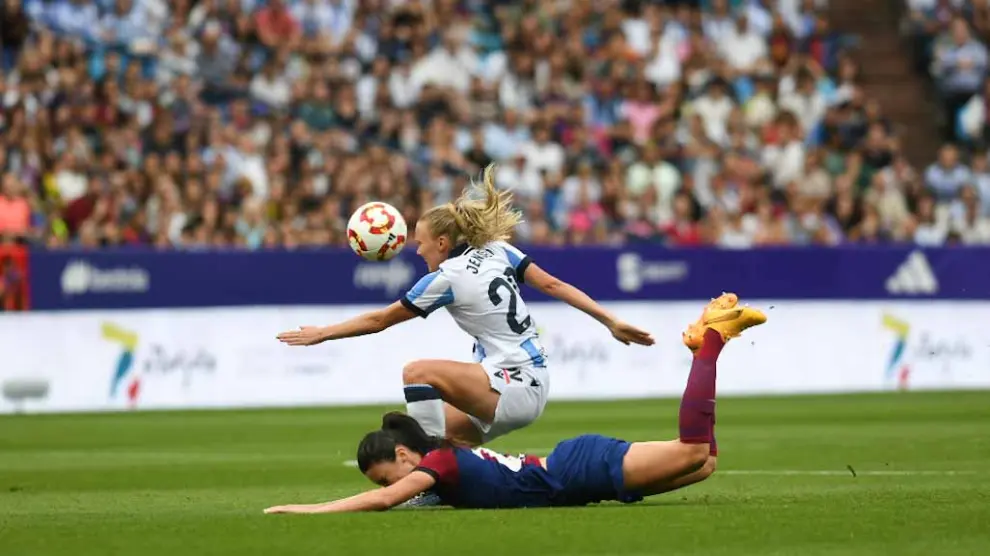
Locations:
{"points": [[475, 274]]}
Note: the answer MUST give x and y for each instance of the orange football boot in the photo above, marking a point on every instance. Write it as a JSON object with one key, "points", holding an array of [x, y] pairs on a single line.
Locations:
{"points": [[725, 317]]}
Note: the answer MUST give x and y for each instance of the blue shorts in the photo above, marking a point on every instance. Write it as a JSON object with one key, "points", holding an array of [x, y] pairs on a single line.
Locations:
{"points": [[589, 469]]}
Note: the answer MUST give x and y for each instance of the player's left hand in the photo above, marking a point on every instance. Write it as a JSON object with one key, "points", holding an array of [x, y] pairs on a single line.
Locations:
{"points": [[629, 334], [305, 336], [279, 510]]}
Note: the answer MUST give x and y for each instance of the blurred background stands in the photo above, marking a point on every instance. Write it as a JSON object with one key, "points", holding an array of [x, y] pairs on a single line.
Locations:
{"points": [[250, 123]]}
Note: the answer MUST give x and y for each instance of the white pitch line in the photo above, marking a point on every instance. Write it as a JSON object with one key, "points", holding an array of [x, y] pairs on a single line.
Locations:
{"points": [[816, 472], [836, 472]]}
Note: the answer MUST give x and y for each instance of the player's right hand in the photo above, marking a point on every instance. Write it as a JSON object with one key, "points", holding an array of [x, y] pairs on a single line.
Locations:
{"points": [[305, 336], [629, 334]]}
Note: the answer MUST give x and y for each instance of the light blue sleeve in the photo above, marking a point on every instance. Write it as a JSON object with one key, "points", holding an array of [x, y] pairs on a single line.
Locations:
{"points": [[430, 293], [517, 259]]}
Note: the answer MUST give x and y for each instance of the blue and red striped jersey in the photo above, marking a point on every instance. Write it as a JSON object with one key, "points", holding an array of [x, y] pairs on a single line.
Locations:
{"points": [[481, 478]]}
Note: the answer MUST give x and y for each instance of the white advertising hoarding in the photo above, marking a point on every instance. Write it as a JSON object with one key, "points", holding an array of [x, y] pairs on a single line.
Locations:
{"points": [[157, 359]]}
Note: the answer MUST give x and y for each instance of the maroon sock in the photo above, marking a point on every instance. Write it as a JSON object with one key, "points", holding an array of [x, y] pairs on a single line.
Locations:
{"points": [[713, 445], [697, 415]]}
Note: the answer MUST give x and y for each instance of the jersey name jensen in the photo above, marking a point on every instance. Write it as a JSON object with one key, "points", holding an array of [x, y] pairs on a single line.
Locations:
{"points": [[477, 257]]}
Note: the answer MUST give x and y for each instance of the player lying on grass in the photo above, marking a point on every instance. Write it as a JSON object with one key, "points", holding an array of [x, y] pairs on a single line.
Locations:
{"points": [[476, 275], [583, 470]]}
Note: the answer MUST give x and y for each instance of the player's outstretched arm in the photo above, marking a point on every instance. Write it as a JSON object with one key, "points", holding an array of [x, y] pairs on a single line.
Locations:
{"points": [[553, 286], [368, 323], [372, 501]]}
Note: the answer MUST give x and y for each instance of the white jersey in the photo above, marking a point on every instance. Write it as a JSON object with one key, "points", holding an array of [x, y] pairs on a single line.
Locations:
{"points": [[480, 289]]}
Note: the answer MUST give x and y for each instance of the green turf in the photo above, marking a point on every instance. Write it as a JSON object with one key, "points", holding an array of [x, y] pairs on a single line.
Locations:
{"points": [[195, 483]]}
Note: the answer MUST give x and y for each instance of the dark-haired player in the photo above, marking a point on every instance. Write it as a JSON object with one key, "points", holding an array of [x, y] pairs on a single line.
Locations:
{"points": [[588, 469]]}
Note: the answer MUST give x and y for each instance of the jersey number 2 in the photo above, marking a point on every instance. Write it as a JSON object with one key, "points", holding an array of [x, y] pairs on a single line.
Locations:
{"points": [[509, 283]]}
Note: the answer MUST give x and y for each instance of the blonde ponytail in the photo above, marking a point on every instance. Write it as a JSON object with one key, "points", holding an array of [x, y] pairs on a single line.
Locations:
{"points": [[476, 221]]}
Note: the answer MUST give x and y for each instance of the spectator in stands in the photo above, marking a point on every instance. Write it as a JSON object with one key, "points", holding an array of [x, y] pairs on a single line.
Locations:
{"points": [[947, 175], [125, 26], [973, 117], [781, 41], [324, 19], [270, 88], [718, 24], [785, 159], [761, 108], [683, 229], [968, 219], [74, 18], [15, 209], [658, 177], [16, 29], [12, 285], [890, 204], [931, 230], [644, 109], [276, 27], [806, 102], [901, 175], [980, 169], [525, 179], [743, 47], [759, 14], [821, 43], [960, 67], [714, 107], [876, 150], [815, 182], [450, 65], [217, 61], [766, 225], [543, 154]]}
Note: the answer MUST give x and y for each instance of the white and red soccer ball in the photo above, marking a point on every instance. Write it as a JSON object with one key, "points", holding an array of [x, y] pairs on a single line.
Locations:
{"points": [[377, 231]]}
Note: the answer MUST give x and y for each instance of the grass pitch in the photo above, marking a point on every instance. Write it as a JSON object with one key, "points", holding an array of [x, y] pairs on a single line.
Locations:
{"points": [[867, 474]]}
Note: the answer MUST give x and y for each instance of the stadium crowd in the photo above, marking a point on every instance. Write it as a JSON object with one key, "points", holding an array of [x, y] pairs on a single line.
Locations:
{"points": [[253, 123], [949, 38]]}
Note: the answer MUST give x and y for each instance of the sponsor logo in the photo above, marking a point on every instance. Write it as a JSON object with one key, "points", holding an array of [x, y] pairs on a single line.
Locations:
{"points": [[272, 362], [80, 277], [18, 390], [897, 369], [155, 360], [913, 277], [577, 351], [633, 272], [581, 356], [913, 350], [509, 375], [391, 277], [582, 353], [513, 463]]}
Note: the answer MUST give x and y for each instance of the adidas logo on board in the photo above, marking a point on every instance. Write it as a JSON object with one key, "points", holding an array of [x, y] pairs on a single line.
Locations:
{"points": [[913, 277]]}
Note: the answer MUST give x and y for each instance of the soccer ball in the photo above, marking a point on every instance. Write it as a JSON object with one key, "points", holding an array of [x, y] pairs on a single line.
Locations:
{"points": [[376, 231]]}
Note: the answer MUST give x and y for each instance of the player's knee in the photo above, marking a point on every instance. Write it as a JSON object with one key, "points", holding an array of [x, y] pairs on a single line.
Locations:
{"points": [[695, 456], [708, 469], [416, 372]]}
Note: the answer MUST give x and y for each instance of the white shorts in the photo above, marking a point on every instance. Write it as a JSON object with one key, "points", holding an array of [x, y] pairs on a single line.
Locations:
{"points": [[523, 395]]}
